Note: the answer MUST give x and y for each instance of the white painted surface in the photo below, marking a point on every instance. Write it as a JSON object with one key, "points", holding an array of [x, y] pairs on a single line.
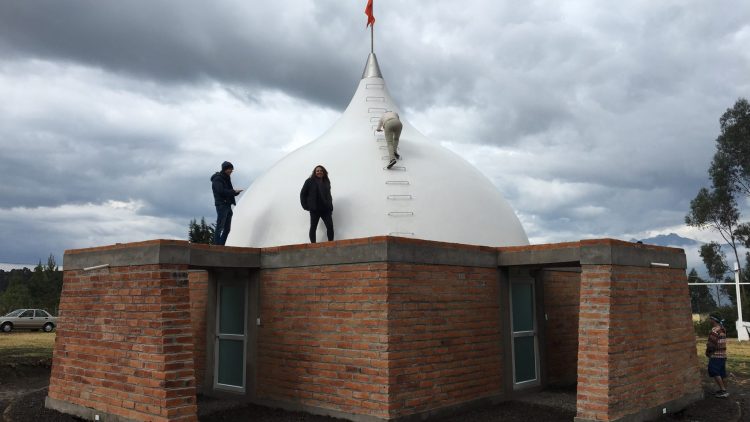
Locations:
{"points": [[743, 330], [451, 200]]}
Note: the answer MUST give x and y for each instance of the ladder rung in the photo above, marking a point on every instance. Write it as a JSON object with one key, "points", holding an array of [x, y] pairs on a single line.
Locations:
{"points": [[375, 99], [374, 119], [400, 234], [374, 86], [400, 197], [396, 182], [401, 213], [397, 168], [376, 110]]}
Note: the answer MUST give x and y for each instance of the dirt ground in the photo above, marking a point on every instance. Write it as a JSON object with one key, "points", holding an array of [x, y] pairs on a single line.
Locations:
{"points": [[23, 389]]}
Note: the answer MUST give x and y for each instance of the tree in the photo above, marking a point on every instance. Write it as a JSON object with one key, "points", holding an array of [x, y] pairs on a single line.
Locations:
{"points": [[701, 300], [16, 296], [201, 233], [715, 261], [716, 207], [39, 288], [733, 147], [45, 286]]}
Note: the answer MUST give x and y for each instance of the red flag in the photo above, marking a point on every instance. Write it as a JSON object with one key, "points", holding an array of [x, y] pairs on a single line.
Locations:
{"points": [[368, 12]]}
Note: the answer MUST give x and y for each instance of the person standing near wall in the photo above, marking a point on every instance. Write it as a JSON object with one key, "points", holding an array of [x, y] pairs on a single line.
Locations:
{"points": [[315, 197], [392, 125], [224, 193], [716, 350]]}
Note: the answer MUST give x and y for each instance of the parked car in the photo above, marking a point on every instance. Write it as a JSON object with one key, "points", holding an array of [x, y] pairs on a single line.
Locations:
{"points": [[28, 319]]}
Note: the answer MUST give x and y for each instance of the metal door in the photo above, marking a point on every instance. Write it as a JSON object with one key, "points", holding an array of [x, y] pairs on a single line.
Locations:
{"points": [[231, 336], [524, 333]]}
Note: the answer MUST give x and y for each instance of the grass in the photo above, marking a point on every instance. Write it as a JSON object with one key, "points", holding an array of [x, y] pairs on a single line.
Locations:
{"points": [[25, 347]]}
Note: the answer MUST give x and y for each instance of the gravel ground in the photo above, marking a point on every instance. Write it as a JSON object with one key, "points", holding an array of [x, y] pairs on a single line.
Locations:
{"points": [[24, 404], [507, 412]]}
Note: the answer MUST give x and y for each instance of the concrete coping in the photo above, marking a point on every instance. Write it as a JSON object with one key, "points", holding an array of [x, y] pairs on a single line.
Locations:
{"points": [[376, 249], [379, 249], [161, 251], [593, 252]]}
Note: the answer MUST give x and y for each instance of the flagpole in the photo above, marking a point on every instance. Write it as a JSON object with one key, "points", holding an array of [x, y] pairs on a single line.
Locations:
{"points": [[372, 38]]}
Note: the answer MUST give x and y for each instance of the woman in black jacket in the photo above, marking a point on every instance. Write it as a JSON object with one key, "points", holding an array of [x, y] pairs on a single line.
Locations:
{"points": [[316, 198]]}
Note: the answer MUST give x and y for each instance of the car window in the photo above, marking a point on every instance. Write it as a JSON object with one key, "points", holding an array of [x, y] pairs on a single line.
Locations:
{"points": [[26, 314], [15, 313], [41, 313]]}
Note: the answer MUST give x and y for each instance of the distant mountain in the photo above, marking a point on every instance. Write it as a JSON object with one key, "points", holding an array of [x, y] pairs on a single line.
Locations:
{"points": [[671, 239]]}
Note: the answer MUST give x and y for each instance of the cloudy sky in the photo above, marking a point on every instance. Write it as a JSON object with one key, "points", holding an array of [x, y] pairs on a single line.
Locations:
{"points": [[594, 119]]}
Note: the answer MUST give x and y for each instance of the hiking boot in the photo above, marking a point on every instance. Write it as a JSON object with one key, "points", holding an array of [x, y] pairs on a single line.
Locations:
{"points": [[398, 157], [722, 394], [392, 163]]}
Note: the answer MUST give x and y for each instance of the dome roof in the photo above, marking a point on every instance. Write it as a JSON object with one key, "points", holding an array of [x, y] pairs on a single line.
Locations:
{"points": [[430, 194]]}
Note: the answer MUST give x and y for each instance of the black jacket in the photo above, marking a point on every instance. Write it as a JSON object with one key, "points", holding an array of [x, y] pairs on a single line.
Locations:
{"points": [[224, 192], [314, 199]]}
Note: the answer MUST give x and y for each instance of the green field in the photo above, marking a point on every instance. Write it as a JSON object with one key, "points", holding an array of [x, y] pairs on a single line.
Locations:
{"points": [[24, 347]]}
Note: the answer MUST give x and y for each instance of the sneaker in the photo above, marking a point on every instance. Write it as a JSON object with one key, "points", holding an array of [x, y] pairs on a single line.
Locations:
{"points": [[392, 163], [398, 157], [722, 394]]}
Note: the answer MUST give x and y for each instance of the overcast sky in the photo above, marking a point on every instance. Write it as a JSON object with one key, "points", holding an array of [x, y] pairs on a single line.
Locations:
{"points": [[594, 119]]}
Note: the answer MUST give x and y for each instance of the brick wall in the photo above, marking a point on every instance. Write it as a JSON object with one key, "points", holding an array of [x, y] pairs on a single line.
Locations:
{"points": [[445, 336], [124, 343], [198, 284], [386, 340], [636, 348], [561, 305], [323, 341]]}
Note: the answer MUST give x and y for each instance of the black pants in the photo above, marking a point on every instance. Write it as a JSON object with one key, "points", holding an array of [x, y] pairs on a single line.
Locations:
{"points": [[223, 223], [315, 216]]}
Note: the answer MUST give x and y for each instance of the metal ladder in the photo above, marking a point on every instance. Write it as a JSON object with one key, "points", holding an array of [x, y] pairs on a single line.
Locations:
{"points": [[396, 178]]}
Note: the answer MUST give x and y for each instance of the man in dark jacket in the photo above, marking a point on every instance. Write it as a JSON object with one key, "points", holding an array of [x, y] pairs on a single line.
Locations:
{"points": [[224, 193]]}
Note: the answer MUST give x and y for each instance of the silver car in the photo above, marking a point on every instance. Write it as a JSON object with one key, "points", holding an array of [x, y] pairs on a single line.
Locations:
{"points": [[28, 319]]}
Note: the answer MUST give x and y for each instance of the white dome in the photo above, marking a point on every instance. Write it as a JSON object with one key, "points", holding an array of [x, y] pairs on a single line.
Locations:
{"points": [[431, 193]]}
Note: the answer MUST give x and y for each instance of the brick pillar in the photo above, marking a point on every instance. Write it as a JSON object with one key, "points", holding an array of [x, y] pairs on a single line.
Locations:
{"points": [[636, 353], [124, 345]]}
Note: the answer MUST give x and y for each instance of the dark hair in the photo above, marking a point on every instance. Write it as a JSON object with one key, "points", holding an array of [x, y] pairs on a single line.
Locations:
{"points": [[325, 172]]}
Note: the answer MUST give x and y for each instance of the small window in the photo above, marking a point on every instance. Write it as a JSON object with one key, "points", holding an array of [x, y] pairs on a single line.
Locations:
{"points": [[42, 314], [27, 314]]}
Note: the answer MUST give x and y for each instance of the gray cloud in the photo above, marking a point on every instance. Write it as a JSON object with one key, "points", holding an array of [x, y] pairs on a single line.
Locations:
{"points": [[593, 120], [256, 45]]}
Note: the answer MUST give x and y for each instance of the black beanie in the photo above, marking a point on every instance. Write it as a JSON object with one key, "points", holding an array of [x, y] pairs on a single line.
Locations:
{"points": [[226, 165]]}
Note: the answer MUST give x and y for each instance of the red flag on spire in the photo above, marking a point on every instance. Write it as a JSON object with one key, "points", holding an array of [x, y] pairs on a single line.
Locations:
{"points": [[368, 12]]}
